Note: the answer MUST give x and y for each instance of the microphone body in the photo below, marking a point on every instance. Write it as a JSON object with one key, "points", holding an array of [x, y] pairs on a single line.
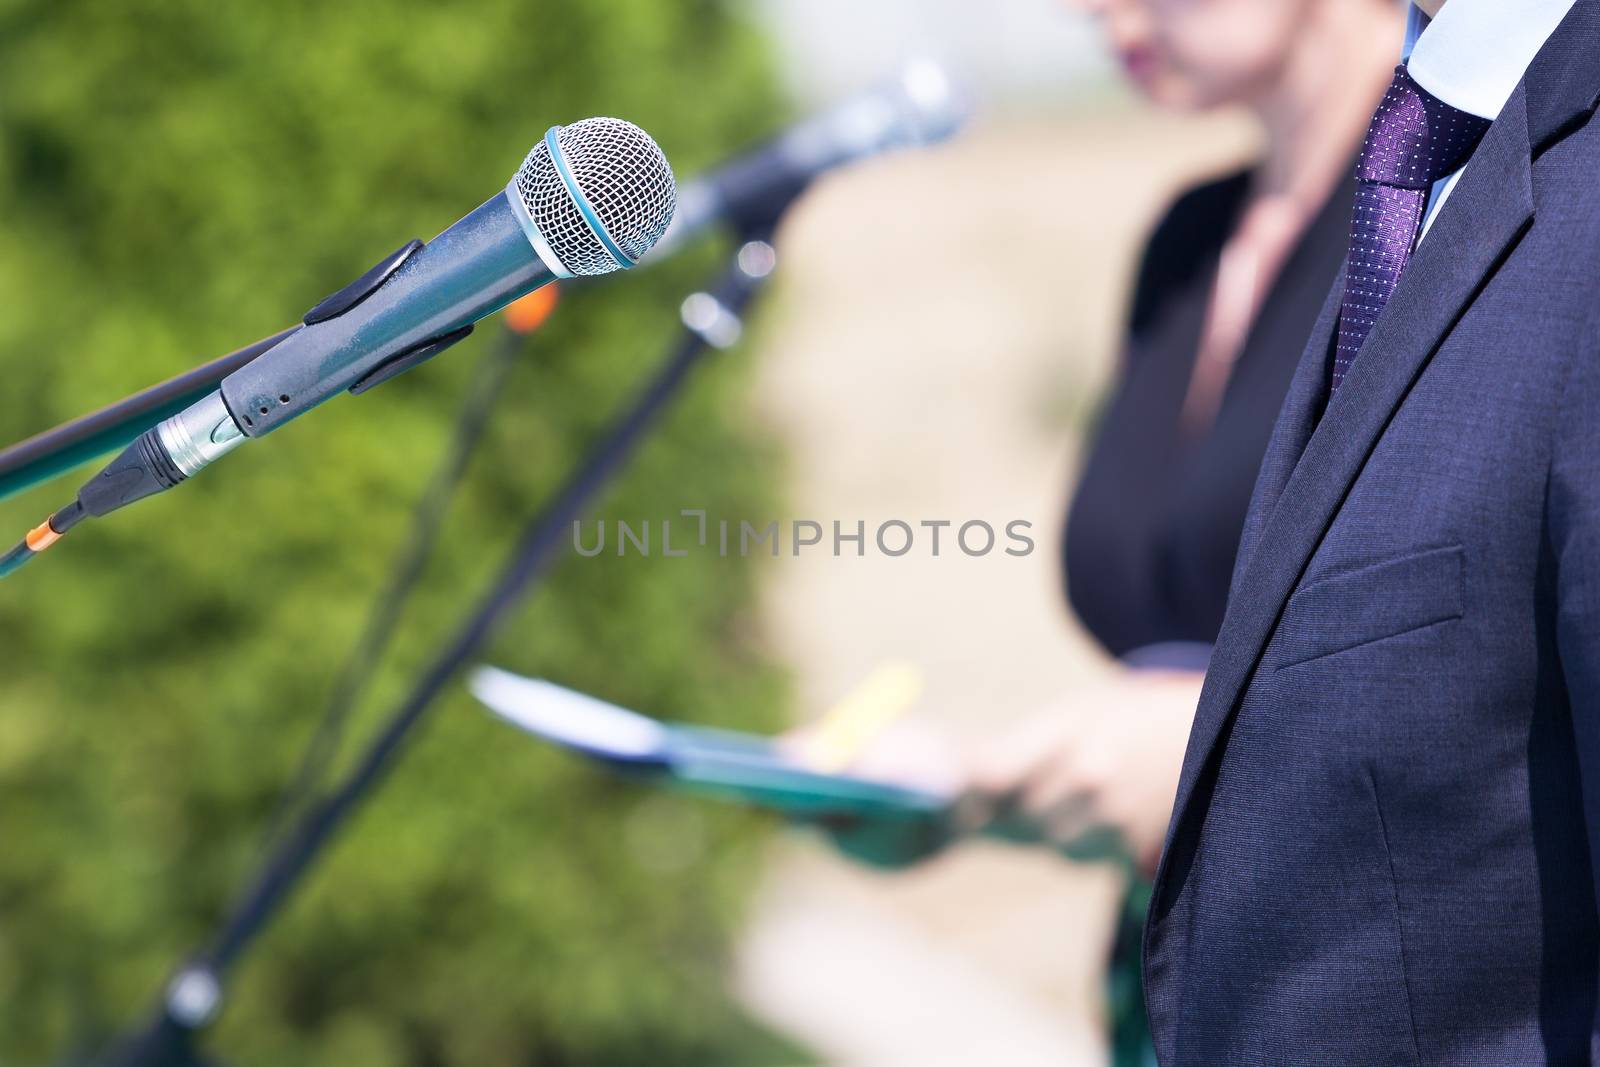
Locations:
{"points": [[471, 270], [590, 198]]}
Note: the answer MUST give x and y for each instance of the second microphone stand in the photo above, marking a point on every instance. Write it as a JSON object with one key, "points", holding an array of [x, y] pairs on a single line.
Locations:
{"points": [[712, 319]]}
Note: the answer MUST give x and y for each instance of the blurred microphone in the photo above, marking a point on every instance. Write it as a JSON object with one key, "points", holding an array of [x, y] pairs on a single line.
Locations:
{"points": [[590, 198], [919, 106]]}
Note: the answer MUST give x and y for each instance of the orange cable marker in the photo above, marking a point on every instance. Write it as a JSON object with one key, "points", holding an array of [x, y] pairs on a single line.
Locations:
{"points": [[42, 537]]}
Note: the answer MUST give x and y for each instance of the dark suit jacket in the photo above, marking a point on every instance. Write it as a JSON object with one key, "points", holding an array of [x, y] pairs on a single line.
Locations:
{"points": [[1381, 849]]}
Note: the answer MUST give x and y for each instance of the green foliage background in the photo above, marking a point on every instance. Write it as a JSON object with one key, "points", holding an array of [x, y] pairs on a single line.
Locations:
{"points": [[176, 179]]}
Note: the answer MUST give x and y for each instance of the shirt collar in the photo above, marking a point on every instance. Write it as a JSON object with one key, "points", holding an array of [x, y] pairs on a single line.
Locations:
{"points": [[1473, 55]]}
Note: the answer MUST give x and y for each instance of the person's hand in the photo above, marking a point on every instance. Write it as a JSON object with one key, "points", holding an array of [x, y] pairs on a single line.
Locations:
{"points": [[913, 756], [1107, 758]]}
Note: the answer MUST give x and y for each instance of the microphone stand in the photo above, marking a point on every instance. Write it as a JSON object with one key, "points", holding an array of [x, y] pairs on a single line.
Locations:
{"points": [[712, 319]]}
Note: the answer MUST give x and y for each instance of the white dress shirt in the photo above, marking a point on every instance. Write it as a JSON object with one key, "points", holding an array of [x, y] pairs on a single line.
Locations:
{"points": [[1473, 55]]}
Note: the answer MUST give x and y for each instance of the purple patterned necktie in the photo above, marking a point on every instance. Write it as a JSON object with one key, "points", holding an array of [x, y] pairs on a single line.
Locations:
{"points": [[1415, 139]]}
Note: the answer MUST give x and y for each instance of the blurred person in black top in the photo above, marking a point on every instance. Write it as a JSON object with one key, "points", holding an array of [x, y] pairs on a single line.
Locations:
{"points": [[1231, 283]]}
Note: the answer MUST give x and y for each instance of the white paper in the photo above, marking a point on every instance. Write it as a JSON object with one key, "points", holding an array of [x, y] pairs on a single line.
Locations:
{"points": [[567, 717]]}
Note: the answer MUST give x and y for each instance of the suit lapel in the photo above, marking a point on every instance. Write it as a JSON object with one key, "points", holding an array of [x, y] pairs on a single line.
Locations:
{"points": [[1563, 83], [1308, 390], [1489, 209], [1563, 90]]}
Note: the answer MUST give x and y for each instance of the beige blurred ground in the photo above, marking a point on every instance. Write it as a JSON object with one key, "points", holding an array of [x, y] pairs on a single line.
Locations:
{"points": [[945, 324]]}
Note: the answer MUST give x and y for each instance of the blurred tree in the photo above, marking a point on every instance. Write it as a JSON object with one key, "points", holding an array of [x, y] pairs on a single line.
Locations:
{"points": [[177, 178]]}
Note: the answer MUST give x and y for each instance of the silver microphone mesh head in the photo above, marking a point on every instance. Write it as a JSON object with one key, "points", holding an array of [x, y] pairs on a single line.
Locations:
{"points": [[621, 174]]}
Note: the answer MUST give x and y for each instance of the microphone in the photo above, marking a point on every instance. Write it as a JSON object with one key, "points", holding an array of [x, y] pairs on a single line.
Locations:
{"points": [[919, 106], [590, 198]]}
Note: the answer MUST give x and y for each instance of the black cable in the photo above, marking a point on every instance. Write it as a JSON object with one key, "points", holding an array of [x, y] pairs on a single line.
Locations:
{"points": [[42, 537], [68, 517], [383, 618], [17, 557], [143, 469]]}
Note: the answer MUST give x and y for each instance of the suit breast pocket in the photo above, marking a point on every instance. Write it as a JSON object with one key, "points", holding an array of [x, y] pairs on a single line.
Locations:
{"points": [[1373, 602]]}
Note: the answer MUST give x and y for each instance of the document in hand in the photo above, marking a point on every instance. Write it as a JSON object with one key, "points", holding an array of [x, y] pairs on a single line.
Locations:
{"points": [[746, 768]]}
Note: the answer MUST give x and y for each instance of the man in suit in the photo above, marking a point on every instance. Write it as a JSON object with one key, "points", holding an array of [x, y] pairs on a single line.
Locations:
{"points": [[1383, 840]]}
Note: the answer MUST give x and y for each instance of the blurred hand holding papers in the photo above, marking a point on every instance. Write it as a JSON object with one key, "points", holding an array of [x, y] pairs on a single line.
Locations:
{"points": [[886, 823]]}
